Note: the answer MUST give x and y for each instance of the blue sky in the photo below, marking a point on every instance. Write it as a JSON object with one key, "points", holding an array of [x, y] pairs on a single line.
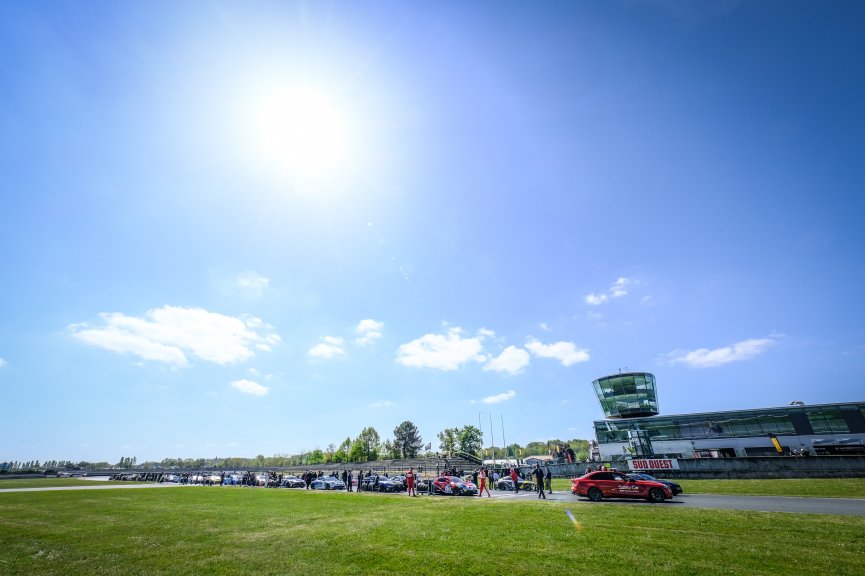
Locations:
{"points": [[231, 229]]}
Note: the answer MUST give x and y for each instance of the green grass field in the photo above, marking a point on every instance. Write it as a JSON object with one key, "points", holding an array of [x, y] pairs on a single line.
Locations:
{"points": [[232, 530]]}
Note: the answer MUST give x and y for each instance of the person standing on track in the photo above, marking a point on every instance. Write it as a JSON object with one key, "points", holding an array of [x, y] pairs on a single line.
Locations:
{"points": [[482, 478], [409, 482], [516, 478], [539, 478]]}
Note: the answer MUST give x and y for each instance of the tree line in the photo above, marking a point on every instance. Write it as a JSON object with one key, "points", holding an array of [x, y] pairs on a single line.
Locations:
{"points": [[367, 446]]}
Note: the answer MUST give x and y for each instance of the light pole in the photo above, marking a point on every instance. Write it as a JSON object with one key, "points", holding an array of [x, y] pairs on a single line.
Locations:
{"points": [[505, 442], [492, 435]]}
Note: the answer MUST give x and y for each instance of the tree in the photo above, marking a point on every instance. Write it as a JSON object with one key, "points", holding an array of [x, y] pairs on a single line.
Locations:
{"points": [[342, 453], [469, 440], [357, 452], [406, 440], [448, 439], [389, 450], [315, 457], [369, 440]]}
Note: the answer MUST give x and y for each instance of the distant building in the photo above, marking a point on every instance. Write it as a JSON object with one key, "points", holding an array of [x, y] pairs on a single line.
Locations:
{"points": [[633, 429]]}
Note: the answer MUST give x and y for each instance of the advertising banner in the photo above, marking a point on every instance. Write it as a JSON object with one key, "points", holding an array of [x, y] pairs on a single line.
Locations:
{"points": [[653, 464]]}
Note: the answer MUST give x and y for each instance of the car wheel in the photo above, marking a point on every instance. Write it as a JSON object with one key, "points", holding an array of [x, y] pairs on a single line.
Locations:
{"points": [[656, 495], [448, 490], [595, 494]]}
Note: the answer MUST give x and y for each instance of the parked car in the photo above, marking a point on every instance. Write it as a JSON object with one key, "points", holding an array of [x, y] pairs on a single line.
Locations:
{"points": [[608, 484], [454, 486], [675, 488], [212, 479], [232, 479], [505, 483], [292, 482], [376, 483], [170, 478], [327, 483]]}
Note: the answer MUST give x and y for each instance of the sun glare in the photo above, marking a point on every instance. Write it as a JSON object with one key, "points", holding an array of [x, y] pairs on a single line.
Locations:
{"points": [[302, 133]]}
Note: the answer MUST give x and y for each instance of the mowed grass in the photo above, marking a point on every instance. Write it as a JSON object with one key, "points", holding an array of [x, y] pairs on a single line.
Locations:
{"points": [[804, 487], [232, 530], [807, 487]]}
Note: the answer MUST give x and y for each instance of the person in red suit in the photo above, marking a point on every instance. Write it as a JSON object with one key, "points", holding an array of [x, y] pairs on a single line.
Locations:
{"points": [[482, 478], [409, 482]]}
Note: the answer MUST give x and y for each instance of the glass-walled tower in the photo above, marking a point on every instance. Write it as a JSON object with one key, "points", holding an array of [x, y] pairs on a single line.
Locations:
{"points": [[629, 395]]}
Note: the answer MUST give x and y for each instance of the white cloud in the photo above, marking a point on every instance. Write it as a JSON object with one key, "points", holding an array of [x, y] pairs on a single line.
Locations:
{"points": [[498, 398], [596, 299], [171, 333], [565, 352], [3, 363], [443, 352], [382, 404], [486, 333], [369, 331], [329, 347], [619, 289], [249, 387], [252, 283], [706, 358], [512, 360]]}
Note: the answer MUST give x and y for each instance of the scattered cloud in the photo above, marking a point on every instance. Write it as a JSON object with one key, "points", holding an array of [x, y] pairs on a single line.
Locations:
{"points": [[368, 331], [619, 289], [382, 404], [512, 360], [329, 347], [544, 326], [499, 398], [596, 299], [3, 363], [708, 358], [171, 334], [252, 283], [486, 333], [442, 351], [565, 352], [249, 387]]}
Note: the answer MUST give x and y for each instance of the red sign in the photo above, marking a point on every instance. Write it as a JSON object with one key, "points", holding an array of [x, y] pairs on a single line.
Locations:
{"points": [[654, 464]]}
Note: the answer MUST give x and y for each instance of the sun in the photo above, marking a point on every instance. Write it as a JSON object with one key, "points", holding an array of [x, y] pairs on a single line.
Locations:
{"points": [[302, 133]]}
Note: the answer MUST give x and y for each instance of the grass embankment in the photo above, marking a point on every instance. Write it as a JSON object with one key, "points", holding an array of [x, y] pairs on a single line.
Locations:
{"points": [[805, 487], [232, 530]]}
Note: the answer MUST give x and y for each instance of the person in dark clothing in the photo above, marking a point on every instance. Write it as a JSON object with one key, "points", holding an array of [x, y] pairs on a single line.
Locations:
{"points": [[548, 480], [348, 481], [539, 479]]}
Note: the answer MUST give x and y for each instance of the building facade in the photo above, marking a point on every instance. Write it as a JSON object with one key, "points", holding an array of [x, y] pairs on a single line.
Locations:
{"points": [[633, 428]]}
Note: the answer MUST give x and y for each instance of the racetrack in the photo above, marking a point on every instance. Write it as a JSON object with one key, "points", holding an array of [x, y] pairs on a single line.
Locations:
{"points": [[841, 506]]}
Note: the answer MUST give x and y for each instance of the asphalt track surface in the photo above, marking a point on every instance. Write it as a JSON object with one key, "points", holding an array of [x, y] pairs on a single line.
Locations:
{"points": [[841, 506]]}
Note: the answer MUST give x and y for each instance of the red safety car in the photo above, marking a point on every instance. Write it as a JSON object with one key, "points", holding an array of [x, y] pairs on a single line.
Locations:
{"points": [[610, 484]]}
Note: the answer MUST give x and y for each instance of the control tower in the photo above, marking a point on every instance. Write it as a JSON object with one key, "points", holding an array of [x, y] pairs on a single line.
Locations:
{"points": [[628, 395]]}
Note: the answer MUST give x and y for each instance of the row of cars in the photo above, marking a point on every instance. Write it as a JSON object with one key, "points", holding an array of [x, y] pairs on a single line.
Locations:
{"points": [[595, 485], [612, 484]]}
